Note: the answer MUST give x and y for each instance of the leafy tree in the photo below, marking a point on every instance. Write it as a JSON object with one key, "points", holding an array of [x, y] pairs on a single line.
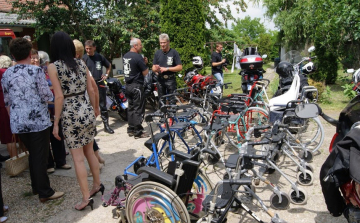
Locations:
{"points": [[184, 22], [248, 27], [332, 25]]}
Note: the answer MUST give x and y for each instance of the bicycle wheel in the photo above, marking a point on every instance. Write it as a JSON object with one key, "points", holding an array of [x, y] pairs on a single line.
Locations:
{"points": [[254, 116], [153, 202], [202, 187], [312, 134]]}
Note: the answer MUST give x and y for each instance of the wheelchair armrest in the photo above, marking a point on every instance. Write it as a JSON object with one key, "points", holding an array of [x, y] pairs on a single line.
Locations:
{"points": [[158, 176]]}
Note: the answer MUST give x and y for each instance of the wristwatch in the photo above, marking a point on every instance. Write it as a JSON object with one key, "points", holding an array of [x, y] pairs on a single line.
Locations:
{"points": [[167, 69]]}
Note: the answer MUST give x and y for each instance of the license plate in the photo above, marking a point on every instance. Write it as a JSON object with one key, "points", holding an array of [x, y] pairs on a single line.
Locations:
{"points": [[155, 93], [125, 105]]}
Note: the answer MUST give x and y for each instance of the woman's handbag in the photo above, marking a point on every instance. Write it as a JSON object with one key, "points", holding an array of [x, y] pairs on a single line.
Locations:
{"points": [[17, 164]]}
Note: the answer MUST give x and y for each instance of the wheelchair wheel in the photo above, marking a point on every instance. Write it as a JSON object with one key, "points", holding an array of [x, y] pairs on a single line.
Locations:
{"points": [[301, 199], [153, 202], [312, 134], [202, 186], [283, 205], [305, 179]]}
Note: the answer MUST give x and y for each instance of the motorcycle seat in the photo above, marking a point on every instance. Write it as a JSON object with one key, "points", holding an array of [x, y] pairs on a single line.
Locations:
{"points": [[157, 137]]}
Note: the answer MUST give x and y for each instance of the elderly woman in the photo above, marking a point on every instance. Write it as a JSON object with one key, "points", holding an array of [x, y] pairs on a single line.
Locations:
{"points": [[26, 94], [5, 131]]}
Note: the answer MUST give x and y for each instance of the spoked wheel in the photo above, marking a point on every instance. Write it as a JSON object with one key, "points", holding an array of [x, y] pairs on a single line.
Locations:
{"points": [[254, 116], [308, 156], [312, 134], [283, 205], [301, 199], [202, 186], [305, 179], [152, 202]]}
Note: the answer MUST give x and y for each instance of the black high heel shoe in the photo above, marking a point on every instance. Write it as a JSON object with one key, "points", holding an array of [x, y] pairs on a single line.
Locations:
{"points": [[90, 203], [101, 189]]}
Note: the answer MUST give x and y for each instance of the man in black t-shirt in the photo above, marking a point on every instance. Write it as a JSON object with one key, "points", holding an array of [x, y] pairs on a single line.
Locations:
{"points": [[95, 63], [166, 63], [217, 63], [135, 69]]}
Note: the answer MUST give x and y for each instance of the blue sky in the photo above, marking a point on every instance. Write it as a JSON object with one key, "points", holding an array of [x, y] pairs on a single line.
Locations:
{"points": [[253, 12]]}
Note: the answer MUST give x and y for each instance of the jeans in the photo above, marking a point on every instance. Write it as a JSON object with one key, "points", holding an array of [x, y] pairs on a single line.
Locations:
{"points": [[220, 77]]}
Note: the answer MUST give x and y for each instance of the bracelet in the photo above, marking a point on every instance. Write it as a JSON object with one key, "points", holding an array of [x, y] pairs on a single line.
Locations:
{"points": [[167, 69]]}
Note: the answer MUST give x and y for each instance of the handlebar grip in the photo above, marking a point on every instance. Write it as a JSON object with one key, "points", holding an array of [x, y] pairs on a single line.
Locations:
{"points": [[330, 120], [258, 143], [168, 95], [243, 181], [262, 127]]}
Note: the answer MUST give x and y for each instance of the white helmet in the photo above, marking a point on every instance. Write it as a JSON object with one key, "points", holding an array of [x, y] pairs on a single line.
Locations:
{"points": [[197, 61]]}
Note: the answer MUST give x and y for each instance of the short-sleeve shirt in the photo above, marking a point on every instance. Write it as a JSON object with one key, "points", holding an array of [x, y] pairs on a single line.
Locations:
{"points": [[134, 65], [95, 64], [27, 92], [216, 57], [169, 59]]}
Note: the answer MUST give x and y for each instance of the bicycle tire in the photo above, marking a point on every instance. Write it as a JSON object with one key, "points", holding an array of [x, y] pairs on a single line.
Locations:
{"points": [[250, 119]]}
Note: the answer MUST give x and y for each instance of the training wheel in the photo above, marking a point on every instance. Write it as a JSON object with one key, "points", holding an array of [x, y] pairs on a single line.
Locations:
{"points": [[301, 199], [309, 156], [285, 202], [305, 179]]}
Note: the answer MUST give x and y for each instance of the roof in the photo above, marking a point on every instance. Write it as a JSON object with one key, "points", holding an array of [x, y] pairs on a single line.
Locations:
{"points": [[5, 6], [12, 19]]}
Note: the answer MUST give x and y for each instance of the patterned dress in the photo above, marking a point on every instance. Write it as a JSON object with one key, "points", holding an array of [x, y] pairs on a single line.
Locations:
{"points": [[78, 117]]}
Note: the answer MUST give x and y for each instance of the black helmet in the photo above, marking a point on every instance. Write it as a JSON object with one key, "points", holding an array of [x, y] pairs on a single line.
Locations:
{"points": [[284, 69]]}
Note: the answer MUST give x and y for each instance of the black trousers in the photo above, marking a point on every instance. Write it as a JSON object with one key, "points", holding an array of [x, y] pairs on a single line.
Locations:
{"points": [[135, 96], [102, 100], [166, 86], [58, 155], [38, 145]]}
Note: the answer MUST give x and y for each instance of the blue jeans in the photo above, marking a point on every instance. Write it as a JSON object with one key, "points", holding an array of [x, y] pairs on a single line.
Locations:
{"points": [[220, 77]]}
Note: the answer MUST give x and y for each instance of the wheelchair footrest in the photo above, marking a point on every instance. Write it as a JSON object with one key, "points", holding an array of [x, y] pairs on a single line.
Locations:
{"points": [[220, 203]]}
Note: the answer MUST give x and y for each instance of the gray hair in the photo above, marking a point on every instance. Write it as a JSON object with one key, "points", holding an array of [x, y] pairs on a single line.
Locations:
{"points": [[164, 36], [44, 57], [133, 42], [5, 61]]}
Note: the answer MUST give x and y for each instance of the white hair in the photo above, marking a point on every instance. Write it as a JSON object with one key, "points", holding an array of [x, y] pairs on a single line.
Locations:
{"points": [[164, 36], [5, 61], [44, 57], [134, 41]]}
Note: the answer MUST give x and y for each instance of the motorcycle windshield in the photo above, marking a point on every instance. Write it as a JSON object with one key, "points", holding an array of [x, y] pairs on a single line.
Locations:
{"points": [[293, 57]]}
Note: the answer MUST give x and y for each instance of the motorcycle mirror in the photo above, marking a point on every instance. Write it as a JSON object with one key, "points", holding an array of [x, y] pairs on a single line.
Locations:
{"points": [[350, 71], [311, 49], [264, 56], [308, 110]]}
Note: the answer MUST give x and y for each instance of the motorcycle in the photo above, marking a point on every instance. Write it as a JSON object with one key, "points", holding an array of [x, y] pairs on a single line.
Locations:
{"points": [[197, 82], [150, 90], [115, 98], [290, 63], [340, 171], [251, 68]]}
